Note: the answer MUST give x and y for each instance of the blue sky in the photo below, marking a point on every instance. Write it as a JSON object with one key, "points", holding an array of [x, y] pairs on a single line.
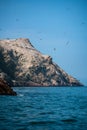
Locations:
{"points": [[55, 27]]}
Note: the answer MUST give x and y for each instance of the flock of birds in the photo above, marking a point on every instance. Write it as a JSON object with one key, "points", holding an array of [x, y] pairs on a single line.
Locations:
{"points": [[67, 43]]}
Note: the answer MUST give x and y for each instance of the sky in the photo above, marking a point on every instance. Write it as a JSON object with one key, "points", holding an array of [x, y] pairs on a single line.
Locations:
{"points": [[55, 27]]}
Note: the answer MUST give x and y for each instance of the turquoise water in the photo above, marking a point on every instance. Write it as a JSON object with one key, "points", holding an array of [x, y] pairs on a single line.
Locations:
{"points": [[54, 108]]}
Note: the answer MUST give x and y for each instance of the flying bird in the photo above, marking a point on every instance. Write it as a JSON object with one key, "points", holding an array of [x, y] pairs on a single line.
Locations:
{"points": [[54, 49], [17, 19], [67, 42], [0, 29], [83, 23]]}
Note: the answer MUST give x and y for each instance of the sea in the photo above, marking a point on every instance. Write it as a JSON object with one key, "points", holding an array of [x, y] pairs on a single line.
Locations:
{"points": [[44, 108]]}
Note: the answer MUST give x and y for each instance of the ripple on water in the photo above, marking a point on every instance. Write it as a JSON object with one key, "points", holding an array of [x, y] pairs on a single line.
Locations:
{"points": [[42, 122], [69, 120], [46, 113]]}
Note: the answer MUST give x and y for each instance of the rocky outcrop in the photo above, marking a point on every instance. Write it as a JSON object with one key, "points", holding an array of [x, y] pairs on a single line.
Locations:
{"points": [[5, 89], [22, 65]]}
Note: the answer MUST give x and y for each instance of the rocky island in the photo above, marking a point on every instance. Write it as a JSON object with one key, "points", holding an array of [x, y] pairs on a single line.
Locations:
{"points": [[22, 65], [5, 89]]}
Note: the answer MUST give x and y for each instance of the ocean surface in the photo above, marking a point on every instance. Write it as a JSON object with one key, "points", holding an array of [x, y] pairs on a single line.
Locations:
{"points": [[44, 108]]}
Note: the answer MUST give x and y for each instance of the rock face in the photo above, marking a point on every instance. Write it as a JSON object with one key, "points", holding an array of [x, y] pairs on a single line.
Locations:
{"points": [[22, 65], [5, 89]]}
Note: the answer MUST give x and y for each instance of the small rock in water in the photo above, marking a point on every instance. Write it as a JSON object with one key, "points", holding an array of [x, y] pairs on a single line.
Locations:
{"points": [[5, 89]]}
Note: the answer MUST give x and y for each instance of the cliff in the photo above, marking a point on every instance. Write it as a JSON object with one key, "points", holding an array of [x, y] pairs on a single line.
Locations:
{"points": [[5, 89], [22, 65]]}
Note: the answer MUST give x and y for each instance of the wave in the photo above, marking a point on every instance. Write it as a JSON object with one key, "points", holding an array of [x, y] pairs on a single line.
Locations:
{"points": [[69, 120], [42, 122], [21, 95]]}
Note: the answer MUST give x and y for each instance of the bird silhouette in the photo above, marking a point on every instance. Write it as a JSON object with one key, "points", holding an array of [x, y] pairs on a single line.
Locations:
{"points": [[54, 49], [67, 42]]}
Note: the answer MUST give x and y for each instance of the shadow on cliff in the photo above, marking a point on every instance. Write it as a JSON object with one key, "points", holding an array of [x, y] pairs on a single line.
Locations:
{"points": [[8, 63]]}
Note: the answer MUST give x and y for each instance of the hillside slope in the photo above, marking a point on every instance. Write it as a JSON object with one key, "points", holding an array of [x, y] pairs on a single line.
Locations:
{"points": [[22, 65]]}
